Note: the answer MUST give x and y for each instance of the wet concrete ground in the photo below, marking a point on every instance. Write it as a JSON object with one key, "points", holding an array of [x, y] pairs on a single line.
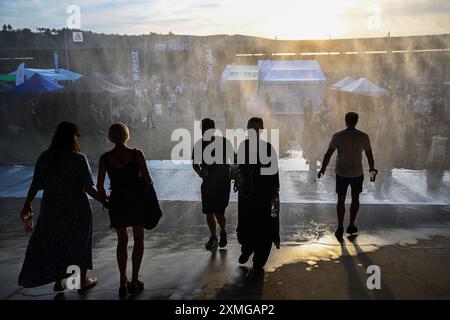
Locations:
{"points": [[177, 181], [176, 266], [401, 207]]}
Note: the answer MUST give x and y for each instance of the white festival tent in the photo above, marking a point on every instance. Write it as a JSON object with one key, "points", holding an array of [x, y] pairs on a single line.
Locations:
{"points": [[365, 87], [239, 72], [289, 84], [343, 82], [51, 74]]}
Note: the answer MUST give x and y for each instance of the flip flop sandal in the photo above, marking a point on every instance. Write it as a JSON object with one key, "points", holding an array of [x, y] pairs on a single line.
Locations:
{"points": [[352, 229], [135, 287], [339, 234], [124, 289], [92, 283], [59, 286]]}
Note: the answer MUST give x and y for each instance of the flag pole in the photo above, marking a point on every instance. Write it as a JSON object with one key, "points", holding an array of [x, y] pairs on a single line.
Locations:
{"points": [[67, 51]]}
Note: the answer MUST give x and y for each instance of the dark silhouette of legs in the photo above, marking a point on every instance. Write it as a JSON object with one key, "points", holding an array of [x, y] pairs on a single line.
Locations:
{"points": [[354, 207], [211, 220], [341, 210], [222, 221], [247, 250], [138, 250], [262, 252], [213, 242], [122, 253]]}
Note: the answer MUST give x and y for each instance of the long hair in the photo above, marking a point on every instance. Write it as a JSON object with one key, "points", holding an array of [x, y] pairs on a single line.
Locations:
{"points": [[64, 141]]}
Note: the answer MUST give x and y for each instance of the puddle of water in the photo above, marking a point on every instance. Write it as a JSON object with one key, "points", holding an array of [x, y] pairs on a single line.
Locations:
{"points": [[327, 248]]}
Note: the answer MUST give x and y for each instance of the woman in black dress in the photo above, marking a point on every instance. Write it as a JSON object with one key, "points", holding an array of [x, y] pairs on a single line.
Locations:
{"points": [[258, 223], [127, 171], [63, 233]]}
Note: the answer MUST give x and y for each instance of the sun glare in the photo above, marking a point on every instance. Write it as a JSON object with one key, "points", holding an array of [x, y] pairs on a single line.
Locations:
{"points": [[319, 19]]}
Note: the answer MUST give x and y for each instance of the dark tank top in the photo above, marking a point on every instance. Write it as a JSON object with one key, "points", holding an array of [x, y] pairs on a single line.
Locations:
{"points": [[127, 177]]}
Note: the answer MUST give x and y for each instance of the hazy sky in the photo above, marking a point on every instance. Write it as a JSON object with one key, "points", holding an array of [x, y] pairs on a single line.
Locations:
{"points": [[285, 19]]}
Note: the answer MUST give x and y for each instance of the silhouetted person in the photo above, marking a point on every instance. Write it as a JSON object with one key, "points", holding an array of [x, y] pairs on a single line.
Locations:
{"points": [[197, 110], [96, 119], [127, 171], [149, 110], [308, 112], [324, 115], [63, 233], [350, 143], [258, 192], [229, 119], [323, 107], [308, 117], [216, 184]]}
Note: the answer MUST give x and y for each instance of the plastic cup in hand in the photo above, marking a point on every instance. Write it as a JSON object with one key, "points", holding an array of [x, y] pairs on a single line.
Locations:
{"points": [[373, 175]]}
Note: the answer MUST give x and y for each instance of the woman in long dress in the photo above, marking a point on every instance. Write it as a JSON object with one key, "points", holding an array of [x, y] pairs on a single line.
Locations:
{"points": [[62, 236]]}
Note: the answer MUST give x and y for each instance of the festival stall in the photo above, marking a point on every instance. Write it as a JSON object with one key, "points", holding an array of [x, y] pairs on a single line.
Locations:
{"points": [[343, 82], [34, 84], [53, 75], [288, 85], [361, 95], [22, 104], [238, 85], [94, 101]]}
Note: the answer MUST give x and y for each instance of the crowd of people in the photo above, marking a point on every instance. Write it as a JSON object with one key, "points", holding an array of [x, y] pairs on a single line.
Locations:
{"points": [[150, 100], [62, 236], [402, 123]]}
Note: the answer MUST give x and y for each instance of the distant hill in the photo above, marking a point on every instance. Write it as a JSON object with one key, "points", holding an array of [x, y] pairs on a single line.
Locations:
{"points": [[50, 39], [186, 57]]}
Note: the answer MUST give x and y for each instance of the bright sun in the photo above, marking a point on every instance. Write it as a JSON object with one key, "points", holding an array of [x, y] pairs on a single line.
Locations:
{"points": [[317, 19]]}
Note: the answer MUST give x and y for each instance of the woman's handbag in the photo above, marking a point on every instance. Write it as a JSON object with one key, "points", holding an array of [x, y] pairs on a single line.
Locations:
{"points": [[151, 207]]}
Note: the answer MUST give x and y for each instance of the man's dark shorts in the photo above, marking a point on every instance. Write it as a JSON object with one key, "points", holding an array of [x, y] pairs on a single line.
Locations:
{"points": [[342, 184]]}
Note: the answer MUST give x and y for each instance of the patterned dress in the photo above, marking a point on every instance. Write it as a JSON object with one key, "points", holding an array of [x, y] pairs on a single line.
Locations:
{"points": [[62, 235]]}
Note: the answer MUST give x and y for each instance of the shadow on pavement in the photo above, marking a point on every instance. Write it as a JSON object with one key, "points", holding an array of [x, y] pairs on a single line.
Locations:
{"points": [[385, 292], [246, 284]]}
